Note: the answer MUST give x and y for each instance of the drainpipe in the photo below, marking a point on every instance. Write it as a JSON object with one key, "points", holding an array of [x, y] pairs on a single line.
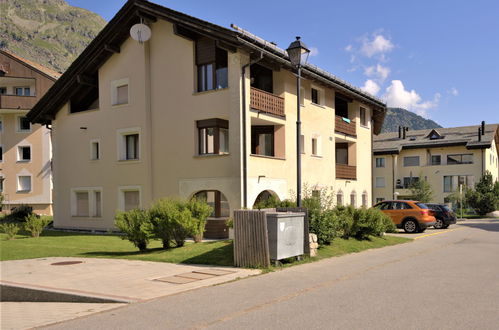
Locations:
{"points": [[245, 152], [393, 175]]}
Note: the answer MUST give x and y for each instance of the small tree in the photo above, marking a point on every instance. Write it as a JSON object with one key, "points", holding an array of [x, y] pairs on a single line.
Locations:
{"points": [[200, 211], [421, 191], [36, 224], [134, 224], [485, 197]]}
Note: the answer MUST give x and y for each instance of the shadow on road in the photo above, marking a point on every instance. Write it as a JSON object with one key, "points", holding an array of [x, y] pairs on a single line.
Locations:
{"points": [[488, 226]]}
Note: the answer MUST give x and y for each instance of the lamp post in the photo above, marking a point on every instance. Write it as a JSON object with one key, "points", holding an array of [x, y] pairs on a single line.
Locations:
{"points": [[298, 55]]}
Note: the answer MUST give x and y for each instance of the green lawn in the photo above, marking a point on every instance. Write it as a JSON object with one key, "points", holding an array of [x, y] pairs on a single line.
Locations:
{"points": [[63, 244]]}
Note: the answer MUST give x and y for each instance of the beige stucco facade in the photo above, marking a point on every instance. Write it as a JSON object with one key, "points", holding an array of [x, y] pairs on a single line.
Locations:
{"points": [[25, 166], [163, 108], [387, 186]]}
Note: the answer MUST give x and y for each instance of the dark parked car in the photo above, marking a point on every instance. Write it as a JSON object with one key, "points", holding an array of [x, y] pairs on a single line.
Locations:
{"points": [[444, 215]]}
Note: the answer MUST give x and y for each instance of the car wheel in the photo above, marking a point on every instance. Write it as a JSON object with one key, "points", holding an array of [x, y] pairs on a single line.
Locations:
{"points": [[411, 226], [439, 224]]}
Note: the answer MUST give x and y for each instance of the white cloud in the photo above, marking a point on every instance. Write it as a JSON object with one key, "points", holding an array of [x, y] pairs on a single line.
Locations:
{"points": [[453, 91], [371, 87], [314, 51], [377, 45], [397, 96], [379, 72], [349, 48]]}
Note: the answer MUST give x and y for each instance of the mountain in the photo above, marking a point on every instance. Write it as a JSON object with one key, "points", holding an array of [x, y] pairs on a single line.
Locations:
{"points": [[49, 32], [396, 117]]}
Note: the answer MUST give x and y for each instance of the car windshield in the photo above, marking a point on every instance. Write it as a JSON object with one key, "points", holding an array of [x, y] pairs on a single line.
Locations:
{"points": [[422, 206]]}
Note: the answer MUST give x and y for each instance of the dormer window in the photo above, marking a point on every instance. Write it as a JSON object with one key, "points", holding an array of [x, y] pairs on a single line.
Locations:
{"points": [[434, 135]]}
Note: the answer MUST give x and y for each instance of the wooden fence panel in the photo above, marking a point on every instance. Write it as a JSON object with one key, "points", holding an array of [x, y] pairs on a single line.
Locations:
{"points": [[251, 243]]}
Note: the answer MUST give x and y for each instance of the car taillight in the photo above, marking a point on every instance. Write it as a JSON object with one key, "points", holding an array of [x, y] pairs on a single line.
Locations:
{"points": [[424, 212]]}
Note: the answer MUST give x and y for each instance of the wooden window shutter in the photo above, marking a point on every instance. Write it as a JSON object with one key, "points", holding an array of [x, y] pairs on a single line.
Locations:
{"points": [[205, 51]]}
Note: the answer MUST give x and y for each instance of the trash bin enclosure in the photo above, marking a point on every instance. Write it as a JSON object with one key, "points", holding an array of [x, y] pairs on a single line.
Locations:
{"points": [[285, 234]]}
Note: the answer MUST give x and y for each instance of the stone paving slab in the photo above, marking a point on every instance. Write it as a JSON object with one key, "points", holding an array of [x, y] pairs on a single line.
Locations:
{"points": [[26, 315], [125, 280]]}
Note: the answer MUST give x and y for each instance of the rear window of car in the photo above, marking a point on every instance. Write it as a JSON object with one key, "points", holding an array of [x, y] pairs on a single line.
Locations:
{"points": [[422, 206], [433, 207], [445, 208]]}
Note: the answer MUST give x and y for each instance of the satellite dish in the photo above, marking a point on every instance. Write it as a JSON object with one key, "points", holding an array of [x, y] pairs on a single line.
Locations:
{"points": [[140, 32]]}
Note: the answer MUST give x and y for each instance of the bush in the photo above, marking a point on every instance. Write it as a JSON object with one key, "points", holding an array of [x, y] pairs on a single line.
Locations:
{"points": [[134, 224], [10, 229], [20, 213], [36, 224], [485, 197], [325, 226], [273, 202], [370, 222], [200, 211], [171, 220]]}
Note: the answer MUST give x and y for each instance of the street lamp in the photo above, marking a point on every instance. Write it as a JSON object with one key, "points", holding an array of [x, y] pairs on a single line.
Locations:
{"points": [[298, 55]]}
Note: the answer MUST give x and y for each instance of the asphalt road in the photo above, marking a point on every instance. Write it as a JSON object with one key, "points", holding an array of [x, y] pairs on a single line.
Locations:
{"points": [[448, 280]]}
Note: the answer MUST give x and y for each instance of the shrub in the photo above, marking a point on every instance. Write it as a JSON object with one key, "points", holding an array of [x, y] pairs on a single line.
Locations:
{"points": [[171, 220], [325, 226], [20, 213], [36, 224], [200, 211], [134, 224], [273, 202], [10, 229], [485, 197], [370, 222]]}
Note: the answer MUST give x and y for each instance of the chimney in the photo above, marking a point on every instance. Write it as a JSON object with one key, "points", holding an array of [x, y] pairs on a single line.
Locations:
{"points": [[483, 127], [479, 134], [404, 130], [400, 131]]}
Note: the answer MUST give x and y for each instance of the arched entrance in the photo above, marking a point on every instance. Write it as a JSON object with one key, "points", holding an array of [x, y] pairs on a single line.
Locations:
{"points": [[217, 200], [266, 199]]}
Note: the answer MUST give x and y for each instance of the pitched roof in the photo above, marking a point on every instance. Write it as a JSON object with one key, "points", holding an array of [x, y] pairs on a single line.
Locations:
{"points": [[116, 32], [33, 65], [389, 143]]}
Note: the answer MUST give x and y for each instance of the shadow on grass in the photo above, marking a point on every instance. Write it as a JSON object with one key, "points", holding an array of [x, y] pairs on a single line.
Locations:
{"points": [[222, 256]]}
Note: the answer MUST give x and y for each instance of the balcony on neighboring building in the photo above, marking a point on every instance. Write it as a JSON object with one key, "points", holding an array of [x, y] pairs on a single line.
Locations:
{"points": [[17, 102], [346, 172], [266, 102], [345, 126]]}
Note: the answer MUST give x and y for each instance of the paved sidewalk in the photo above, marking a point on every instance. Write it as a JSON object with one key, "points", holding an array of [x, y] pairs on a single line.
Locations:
{"points": [[121, 280]]}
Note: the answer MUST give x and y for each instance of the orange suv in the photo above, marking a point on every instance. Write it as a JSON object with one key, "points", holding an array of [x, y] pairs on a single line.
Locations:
{"points": [[412, 216]]}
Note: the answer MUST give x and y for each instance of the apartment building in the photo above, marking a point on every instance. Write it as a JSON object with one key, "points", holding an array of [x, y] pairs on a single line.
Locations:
{"points": [[445, 157], [25, 148], [198, 110]]}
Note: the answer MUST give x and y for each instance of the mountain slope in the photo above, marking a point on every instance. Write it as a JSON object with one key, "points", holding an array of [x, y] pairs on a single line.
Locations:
{"points": [[396, 117], [49, 32]]}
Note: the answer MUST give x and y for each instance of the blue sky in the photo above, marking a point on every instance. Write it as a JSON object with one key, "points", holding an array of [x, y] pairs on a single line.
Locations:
{"points": [[437, 58]]}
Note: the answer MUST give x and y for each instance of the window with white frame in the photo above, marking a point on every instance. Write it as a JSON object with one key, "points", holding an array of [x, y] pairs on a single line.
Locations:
{"points": [[363, 117], [94, 149], [23, 124], [129, 198], [380, 162], [24, 183], [316, 145], [120, 91], [353, 199], [302, 144], [86, 202], [129, 144], [23, 153], [380, 182]]}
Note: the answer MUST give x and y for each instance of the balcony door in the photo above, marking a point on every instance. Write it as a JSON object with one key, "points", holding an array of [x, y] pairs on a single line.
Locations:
{"points": [[261, 78]]}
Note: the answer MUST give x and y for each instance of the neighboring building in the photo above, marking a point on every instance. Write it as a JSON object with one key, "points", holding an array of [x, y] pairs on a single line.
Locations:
{"points": [[25, 163], [198, 110], [446, 157]]}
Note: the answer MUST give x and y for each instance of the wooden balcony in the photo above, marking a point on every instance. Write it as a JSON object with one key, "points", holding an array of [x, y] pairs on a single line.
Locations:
{"points": [[17, 102], [346, 172], [266, 102], [344, 127]]}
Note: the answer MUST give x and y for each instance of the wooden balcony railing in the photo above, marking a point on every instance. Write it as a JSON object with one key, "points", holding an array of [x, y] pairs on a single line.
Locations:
{"points": [[344, 127], [17, 102], [266, 102], [346, 172]]}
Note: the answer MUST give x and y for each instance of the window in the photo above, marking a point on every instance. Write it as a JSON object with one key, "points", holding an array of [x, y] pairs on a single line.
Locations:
{"points": [[1, 153], [302, 144], [411, 161], [122, 94], [128, 144], [261, 78], [24, 153], [131, 199], [1, 124], [460, 159], [380, 182], [213, 136], [341, 107], [380, 162], [436, 160], [217, 201], [82, 204], [3, 90], [1, 185], [452, 182], [317, 96], [262, 140], [379, 199], [98, 204], [342, 153], [364, 199], [353, 199], [22, 91], [315, 146], [212, 65], [24, 183], [23, 124], [94, 150], [363, 117], [132, 146], [119, 92], [408, 181], [339, 199]]}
